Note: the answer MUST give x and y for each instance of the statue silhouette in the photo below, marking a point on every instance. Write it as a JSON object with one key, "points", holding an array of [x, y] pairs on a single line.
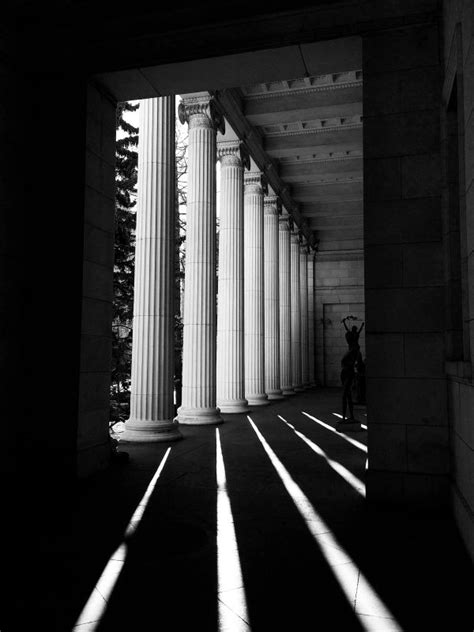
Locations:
{"points": [[349, 361], [352, 335]]}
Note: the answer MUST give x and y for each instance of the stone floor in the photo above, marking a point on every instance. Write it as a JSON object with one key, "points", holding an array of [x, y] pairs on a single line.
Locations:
{"points": [[292, 564]]}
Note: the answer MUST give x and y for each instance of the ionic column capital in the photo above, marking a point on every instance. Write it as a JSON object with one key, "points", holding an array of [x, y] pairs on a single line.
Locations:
{"points": [[303, 244], [233, 153], [200, 110], [228, 152], [271, 204], [284, 222], [295, 237], [253, 182]]}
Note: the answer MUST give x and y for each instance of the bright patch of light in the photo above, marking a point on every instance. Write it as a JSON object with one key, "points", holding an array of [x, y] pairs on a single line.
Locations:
{"points": [[358, 591], [140, 510], [363, 426], [93, 611], [356, 444], [352, 480], [232, 604]]}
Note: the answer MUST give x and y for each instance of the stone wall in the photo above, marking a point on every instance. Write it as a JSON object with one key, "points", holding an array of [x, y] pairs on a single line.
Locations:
{"points": [[96, 331], [408, 435], [339, 292], [458, 215]]}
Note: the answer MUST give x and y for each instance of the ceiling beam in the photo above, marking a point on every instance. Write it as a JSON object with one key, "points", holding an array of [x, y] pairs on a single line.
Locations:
{"points": [[333, 207], [336, 139], [335, 223], [306, 171], [303, 106], [338, 191]]}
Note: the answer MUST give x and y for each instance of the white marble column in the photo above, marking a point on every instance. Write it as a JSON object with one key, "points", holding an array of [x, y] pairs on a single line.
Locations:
{"points": [[285, 305], [199, 320], [272, 298], [254, 290], [311, 315], [295, 312], [230, 304], [304, 312], [151, 402]]}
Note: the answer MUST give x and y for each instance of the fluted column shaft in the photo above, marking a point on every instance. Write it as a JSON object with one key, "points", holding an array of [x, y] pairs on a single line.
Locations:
{"points": [[304, 314], [151, 402], [254, 290], [271, 298], [230, 308], [285, 306], [311, 328], [199, 319], [295, 312]]}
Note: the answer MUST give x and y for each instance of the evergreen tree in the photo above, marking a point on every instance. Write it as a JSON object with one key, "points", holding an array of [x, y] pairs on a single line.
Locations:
{"points": [[125, 200], [126, 180], [180, 239]]}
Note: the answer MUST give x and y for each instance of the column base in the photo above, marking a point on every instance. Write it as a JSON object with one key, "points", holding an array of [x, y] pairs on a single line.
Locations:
{"points": [[142, 431], [277, 395], [298, 389], [234, 406], [198, 416], [288, 391], [257, 400]]}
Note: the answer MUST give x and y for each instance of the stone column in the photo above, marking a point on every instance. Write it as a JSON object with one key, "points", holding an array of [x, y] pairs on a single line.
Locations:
{"points": [[304, 312], [311, 315], [285, 305], [253, 290], [272, 298], [199, 322], [295, 312], [151, 402], [230, 309]]}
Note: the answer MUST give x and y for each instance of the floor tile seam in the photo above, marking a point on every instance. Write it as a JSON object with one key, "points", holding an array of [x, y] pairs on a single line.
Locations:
{"points": [[233, 611], [357, 589]]}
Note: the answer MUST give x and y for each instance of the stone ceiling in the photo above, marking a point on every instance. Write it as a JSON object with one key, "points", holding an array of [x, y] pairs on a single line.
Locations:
{"points": [[308, 132], [298, 109]]}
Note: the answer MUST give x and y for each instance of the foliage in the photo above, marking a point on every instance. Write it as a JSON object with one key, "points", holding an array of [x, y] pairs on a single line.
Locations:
{"points": [[125, 200], [180, 239]]}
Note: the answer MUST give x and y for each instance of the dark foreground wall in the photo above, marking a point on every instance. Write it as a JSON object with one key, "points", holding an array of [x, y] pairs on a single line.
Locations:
{"points": [[458, 214], [406, 390]]}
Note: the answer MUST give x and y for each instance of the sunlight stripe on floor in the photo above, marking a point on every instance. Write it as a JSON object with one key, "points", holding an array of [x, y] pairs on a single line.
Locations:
{"points": [[363, 426], [358, 591], [232, 603], [356, 444], [94, 610], [140, 510], [352, 480]]}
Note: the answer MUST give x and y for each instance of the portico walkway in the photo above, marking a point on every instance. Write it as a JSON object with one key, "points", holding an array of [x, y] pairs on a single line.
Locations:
{"points": [[171, 577]]}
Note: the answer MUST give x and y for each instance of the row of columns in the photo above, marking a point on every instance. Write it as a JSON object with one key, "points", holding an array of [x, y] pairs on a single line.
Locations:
{"points": [[265, 311]]}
